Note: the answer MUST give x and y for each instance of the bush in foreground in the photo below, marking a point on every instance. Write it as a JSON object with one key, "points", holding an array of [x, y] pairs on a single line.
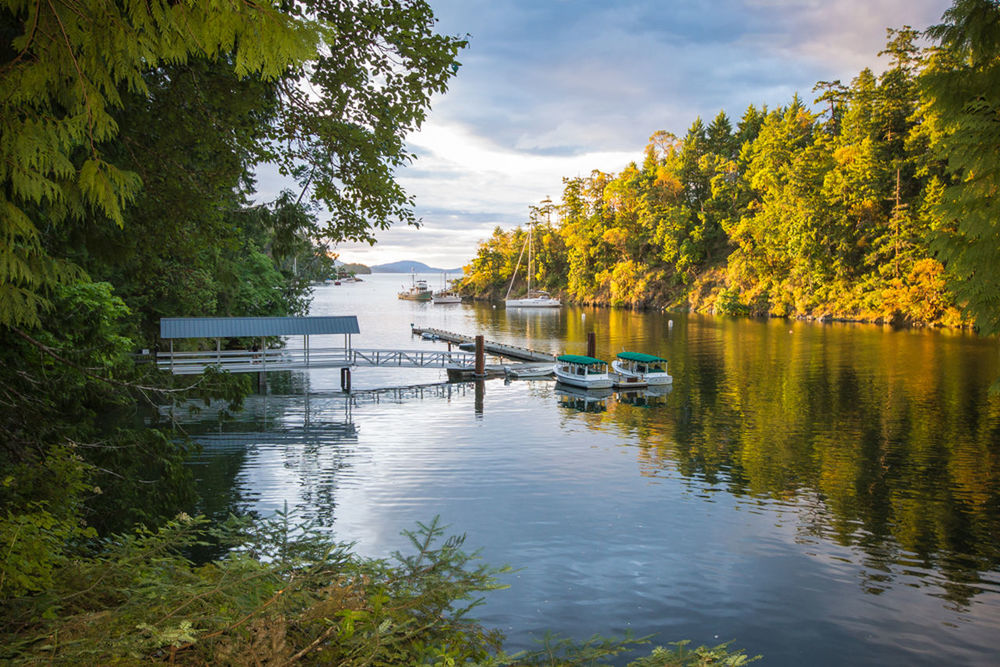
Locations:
{"points": [[283, 594]]}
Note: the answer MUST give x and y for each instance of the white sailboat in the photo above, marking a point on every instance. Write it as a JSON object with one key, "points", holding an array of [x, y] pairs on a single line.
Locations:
{"points": [[445, 294], [534, 298]]}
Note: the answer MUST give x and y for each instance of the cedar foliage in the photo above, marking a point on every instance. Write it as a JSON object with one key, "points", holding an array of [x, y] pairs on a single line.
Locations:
{"points": [[129, 135]]}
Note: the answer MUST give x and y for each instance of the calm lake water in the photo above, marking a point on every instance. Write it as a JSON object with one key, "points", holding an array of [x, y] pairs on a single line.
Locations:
{"points": [[822, 494]]}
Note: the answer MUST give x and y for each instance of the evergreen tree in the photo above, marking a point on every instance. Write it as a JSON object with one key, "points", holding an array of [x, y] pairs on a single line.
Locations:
{"points": [[961, 93]]}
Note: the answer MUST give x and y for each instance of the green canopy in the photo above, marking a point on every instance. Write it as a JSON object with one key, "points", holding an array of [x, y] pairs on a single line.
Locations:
{"points": [[579, 359], [640, 357]]}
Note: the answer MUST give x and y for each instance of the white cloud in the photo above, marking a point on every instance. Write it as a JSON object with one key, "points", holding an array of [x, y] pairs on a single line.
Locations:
{"points": [[465, 185]]}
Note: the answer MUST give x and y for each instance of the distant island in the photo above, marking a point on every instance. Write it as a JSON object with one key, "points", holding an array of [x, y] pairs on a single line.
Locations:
{"points": [[408, 266], [354, 268]]}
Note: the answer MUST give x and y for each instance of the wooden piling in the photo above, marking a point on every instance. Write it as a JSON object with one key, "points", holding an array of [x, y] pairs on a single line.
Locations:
{"points": [[345, 379], [591, 344], [480, 356], [480, 395]]}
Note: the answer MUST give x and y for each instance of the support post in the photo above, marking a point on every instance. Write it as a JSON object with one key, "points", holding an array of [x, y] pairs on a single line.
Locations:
{"points": [[591, 344], [345, 379], [480, 370], [262, 378]]}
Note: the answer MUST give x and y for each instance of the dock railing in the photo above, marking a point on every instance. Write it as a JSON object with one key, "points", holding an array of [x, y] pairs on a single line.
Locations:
{"points": [[260, 361]]}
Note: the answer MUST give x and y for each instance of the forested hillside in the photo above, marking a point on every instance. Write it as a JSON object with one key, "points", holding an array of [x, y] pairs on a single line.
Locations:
{"points": [[832, 210]]}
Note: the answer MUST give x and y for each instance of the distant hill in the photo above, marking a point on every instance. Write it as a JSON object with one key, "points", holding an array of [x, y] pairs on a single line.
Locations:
{"points": [[354, 268], [406, 266]]}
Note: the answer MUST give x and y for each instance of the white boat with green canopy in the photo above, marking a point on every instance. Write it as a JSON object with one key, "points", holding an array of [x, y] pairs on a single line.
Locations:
{"points": [[578, 370], [646, 368]]}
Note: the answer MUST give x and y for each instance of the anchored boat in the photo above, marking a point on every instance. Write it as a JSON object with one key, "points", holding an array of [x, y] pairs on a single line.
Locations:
{"points": [[636, 367], [446, 294], [580, 371], [522, 371], [534, 298], [419, 291]]}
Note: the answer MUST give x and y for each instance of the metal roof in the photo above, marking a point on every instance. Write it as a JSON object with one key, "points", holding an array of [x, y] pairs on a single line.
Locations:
{"points": [[247, 327], [640, 357], [579, 359]]}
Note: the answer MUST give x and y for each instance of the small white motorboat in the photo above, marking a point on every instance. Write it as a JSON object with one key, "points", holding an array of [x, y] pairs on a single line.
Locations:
{"points": [[446, 294], [580, 371], [636, 367], [445, 297], [523, 371]]}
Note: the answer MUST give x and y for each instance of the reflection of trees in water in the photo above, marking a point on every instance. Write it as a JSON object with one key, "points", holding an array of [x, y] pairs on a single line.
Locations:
{"points": [[889, 446]]}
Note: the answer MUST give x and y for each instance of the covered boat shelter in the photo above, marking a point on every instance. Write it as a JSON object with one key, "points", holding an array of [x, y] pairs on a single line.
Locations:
{"points": [[258, 357]]}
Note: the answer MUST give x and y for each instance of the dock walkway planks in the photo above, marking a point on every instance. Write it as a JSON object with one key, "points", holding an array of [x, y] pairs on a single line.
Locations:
{"points": [[498, 349]]}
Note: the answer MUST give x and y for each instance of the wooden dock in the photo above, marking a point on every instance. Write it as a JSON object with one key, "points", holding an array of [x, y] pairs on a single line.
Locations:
{"points": [[284, 359], [491, 347]]}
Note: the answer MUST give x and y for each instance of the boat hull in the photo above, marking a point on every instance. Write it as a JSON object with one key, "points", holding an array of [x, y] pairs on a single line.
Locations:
{"points": [[451, 298], [533, 303], [529, 370], [647, 378], [594, 381]]}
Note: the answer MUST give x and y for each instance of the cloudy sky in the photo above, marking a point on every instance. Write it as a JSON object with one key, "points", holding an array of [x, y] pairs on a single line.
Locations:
{"points": [[557, 88]]}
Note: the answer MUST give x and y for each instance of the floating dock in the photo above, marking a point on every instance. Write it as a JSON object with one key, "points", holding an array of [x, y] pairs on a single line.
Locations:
{"points": [[491, 347]]}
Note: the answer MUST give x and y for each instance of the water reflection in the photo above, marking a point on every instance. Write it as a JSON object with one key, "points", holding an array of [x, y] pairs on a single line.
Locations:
{"points": [[890, 441], [814, 491]]}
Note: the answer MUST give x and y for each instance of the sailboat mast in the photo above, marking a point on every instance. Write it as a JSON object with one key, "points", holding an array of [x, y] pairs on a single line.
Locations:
{"points": [[531, 226]]}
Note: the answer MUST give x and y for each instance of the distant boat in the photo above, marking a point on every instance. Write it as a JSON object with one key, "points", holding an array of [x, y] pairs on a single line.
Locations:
{"points": [[534, 298], [446, 297], [585, 372], [445, 294], [636, 367], [419, 291]]}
